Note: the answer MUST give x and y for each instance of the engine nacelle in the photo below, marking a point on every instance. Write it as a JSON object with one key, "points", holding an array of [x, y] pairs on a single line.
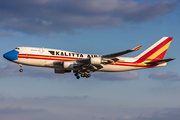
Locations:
{"points": [[95, 60], [70, 65], [60, 71]]}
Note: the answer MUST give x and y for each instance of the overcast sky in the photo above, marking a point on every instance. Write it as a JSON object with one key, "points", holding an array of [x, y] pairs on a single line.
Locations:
{"points": [[94, 27]]}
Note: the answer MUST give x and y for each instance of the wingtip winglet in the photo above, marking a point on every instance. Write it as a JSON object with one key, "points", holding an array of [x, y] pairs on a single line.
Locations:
{"points": [[137, 48]]}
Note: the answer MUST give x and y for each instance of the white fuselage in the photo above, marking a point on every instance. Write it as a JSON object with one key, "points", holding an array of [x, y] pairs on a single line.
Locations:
{"points": [[45, 57]]}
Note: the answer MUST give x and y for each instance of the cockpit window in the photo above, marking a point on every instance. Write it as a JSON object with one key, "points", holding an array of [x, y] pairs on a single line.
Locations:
{"points": [[16, 48]]}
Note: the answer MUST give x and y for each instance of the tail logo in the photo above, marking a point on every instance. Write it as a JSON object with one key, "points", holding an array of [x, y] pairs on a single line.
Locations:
{"points": [[156, 51]]}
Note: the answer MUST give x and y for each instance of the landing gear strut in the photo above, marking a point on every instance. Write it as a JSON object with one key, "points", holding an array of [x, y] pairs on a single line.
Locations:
{"points": [[20, 70]]}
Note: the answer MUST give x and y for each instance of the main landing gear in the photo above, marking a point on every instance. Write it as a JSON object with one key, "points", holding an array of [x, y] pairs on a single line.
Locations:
{"points": [[20, 70], [82, 74], [85, 70]]}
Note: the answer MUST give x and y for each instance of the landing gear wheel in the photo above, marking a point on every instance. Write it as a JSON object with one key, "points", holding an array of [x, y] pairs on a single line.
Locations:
{"points": [[88, 75], [82, 75], [20, 70], [77, 77], [76, 74]]}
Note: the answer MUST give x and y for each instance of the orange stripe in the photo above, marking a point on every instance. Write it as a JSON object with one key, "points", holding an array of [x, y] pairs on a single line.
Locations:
{"points": [[132, 64]]}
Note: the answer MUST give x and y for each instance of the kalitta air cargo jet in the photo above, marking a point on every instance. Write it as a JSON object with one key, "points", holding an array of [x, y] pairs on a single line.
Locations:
{"points": [[83, 64]]}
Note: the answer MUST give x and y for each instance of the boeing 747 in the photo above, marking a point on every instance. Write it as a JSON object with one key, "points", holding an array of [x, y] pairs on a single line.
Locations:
{"points": [[83, 64]]}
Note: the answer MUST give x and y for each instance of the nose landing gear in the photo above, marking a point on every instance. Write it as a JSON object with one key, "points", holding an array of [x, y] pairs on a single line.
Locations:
{"points": [[20, 70]]}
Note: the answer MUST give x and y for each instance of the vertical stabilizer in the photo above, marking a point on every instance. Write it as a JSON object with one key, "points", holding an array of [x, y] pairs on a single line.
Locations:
{"points": [[156, 51]]}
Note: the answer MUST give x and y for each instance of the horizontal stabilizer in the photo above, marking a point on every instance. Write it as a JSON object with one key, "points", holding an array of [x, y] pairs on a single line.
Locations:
{"points": [[159, 61], [121, 53]]}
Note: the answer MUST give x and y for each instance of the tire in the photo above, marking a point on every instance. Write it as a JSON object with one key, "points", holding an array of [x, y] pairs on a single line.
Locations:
{"points": [[77, 77]]}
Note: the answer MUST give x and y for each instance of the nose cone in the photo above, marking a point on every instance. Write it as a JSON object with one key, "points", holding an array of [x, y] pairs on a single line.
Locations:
{"points": [[11, 55]]}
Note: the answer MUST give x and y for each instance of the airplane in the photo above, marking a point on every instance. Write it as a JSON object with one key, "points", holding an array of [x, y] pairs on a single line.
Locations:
{"points": [[84, 64]]}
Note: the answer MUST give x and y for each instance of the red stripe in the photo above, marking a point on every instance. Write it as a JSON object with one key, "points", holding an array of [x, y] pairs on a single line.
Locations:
{"points": [[136, 64], [49, 56], [145, 66], [27, 56], [32, 56]]}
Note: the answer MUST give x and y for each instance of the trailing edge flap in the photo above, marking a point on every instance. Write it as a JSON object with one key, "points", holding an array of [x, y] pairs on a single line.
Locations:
{"points": [[159, 61], [121, 53]]}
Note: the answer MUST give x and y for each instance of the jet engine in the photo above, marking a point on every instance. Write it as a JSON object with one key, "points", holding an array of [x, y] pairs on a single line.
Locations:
{"points": [[95, 61], [60, 71]]}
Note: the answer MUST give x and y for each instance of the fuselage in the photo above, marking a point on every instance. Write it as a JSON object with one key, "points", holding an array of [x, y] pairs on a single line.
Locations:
{"points": [[45, 57]]}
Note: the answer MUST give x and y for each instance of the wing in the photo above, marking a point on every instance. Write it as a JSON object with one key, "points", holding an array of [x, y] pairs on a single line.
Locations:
{"points": [[121, 53], [105, 59], [93, 63]]}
